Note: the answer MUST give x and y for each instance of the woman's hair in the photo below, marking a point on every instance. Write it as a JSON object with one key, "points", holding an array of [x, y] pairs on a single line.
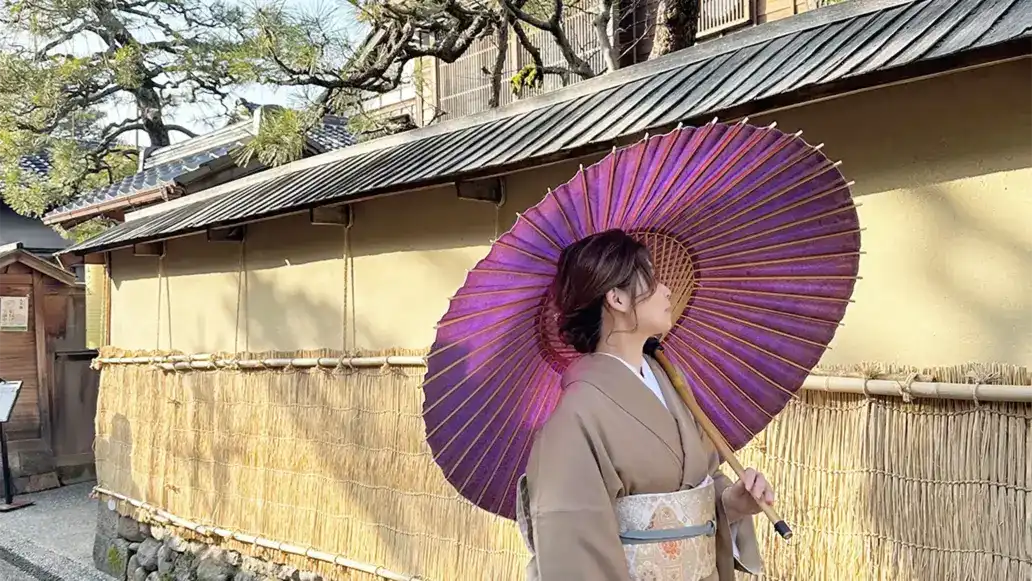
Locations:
{"points": [[590, 268]]}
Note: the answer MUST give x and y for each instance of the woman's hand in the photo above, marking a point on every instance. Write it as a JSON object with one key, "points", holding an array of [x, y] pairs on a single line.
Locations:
{"points": [[740, 498]]}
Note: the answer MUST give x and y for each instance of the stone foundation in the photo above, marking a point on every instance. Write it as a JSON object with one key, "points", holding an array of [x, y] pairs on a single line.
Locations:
{"points": [[32, 467], [132, 551]]}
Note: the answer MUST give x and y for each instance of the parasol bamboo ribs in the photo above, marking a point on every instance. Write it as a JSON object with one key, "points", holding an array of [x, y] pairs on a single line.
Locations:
{"points": [[653, 348]]}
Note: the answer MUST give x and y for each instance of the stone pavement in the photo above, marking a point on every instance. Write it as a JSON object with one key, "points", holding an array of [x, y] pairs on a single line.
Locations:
{"points": [[51, 540]]}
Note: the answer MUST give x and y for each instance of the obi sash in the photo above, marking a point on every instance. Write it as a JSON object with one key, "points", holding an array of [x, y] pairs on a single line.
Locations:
{"points": [[671, 536], [666, 537]]}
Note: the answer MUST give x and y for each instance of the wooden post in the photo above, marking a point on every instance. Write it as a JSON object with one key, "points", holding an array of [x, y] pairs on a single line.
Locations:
{"points": [[106, 333], [43, 363]]}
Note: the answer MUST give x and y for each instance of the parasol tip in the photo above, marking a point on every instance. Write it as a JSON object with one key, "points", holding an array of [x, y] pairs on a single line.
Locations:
{"points": [[782, 528]]}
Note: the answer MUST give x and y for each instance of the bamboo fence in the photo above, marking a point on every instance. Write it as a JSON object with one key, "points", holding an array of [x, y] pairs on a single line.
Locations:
{"points": [[319, 461]]}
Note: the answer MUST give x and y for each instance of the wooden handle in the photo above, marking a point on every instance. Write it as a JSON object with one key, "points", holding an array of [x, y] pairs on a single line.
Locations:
{"points": [[652, 347]]}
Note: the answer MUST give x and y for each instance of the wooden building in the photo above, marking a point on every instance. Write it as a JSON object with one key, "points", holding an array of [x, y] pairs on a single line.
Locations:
{"points": [[42, 341]]}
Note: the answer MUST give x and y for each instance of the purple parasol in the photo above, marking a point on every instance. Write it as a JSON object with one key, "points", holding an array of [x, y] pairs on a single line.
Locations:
{"points": [[754, 231]]}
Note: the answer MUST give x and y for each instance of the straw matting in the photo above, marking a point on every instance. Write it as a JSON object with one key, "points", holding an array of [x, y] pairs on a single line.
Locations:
{"points": [[333, 461], [875, 488]]}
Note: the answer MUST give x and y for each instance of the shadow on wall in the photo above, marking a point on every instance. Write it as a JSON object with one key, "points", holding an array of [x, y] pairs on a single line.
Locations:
{"points": [[115, 447], [943, 260]]}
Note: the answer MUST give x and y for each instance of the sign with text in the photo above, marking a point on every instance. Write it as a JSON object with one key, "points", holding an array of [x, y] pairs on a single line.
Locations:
{"points": [[14, 313], [8, 396]]}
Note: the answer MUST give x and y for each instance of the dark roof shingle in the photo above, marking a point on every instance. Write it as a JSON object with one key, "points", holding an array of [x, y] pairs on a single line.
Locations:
{"points": [[165, 165]]}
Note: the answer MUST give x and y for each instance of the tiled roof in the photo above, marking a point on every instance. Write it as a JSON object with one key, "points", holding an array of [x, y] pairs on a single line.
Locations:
{"points": [[166, 165], [37, 163]]}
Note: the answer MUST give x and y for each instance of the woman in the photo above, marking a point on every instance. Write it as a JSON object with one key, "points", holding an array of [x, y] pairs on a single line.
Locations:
{"points": [[621, 435]]}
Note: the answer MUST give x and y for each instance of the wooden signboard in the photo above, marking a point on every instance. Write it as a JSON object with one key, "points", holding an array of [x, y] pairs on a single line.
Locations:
{"points": [[8, 397], [14, 314]]}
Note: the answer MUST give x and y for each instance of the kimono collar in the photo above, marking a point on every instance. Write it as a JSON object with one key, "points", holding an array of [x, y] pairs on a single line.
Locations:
{"points": [[696, 446], [621, 384]]}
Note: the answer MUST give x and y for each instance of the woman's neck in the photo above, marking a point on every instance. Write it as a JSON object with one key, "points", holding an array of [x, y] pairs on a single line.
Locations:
{"points": [[626, 346]]}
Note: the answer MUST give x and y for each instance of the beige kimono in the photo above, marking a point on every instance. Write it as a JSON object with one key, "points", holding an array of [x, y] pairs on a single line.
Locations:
{"points": [[611, 437]]}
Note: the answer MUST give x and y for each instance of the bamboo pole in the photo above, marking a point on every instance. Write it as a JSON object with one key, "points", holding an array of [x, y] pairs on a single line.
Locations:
{"points": [[931, 390], [856, 385], [163, 517], [653, 348]]}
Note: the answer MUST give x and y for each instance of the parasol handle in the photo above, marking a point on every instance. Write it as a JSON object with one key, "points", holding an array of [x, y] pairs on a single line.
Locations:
{"points": [[653, 348]]}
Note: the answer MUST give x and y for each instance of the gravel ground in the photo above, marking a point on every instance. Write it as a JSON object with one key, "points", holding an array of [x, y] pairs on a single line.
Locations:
{"points": [[51, 540]]}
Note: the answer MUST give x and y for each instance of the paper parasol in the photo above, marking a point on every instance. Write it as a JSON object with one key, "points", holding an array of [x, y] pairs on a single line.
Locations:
{"points": [[755, 232]]}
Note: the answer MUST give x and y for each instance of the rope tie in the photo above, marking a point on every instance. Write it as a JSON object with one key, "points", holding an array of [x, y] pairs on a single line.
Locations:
{"points": [[867, 373], [980, 376], [347, 287], [157, 330], [904, 388], [498, 219]]}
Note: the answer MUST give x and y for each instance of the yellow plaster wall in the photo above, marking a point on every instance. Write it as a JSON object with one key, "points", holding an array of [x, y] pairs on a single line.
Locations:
{"points": [[943, 170]]}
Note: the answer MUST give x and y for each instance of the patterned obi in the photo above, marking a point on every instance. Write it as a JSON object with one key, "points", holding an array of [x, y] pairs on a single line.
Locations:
{"points": [[672, 536], [666, 537]]}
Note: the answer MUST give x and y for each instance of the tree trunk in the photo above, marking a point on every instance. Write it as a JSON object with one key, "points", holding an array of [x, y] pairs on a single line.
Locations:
{"points": [[116, 35], [149, 103], [677, 22], [502, 40]]}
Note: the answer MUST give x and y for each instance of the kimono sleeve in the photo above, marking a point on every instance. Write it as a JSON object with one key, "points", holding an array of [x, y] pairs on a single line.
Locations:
{"points": [[742, 538], [575, 532]]}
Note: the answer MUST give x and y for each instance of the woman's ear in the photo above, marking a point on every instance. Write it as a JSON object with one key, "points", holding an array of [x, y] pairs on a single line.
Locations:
{"points": [[618, 300]]}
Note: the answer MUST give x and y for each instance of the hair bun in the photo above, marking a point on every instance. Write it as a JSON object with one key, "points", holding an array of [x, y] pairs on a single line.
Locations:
{"points": [[582, 328]]}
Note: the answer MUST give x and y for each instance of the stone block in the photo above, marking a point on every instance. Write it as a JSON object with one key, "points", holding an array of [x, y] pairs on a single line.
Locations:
{"points": [[29, 462], [129, 530], [148, 554], [36, 483], [185, 568], [107, 521], [177, 544], [158, 532], [214, 570], [233, 558], [76, 474], [111, 556], [166, 560], [139, 574]]}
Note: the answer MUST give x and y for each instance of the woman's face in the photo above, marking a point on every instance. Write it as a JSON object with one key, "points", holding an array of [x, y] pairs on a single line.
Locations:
{"points": [[653, 312], [643, 313]]}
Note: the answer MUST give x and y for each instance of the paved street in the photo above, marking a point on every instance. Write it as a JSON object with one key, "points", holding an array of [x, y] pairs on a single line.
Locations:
{"points": [[12, 573], [52, 540]]}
